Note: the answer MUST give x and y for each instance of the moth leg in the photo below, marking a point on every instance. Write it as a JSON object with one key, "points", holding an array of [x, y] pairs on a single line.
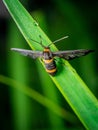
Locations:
{"points": [[58, 60], [41, 59], [59, 64], [41, 41]]}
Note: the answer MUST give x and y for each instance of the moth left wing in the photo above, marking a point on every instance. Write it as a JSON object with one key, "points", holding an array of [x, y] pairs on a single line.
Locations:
{"points": [[71, 54], [30, 53]]}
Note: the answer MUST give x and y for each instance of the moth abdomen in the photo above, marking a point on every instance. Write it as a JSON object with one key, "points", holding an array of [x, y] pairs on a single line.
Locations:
{"points": [[50, 66]]}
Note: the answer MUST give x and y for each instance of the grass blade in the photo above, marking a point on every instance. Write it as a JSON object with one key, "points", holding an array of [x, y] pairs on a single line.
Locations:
{"points": [[39, 98]]}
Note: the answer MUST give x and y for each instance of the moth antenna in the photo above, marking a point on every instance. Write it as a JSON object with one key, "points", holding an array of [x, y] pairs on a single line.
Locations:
{"points": [[58, 40], [39, 42]]}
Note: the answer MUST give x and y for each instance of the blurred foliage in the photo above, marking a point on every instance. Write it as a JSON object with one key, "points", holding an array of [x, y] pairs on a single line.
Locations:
{"points": [[57, 18]]}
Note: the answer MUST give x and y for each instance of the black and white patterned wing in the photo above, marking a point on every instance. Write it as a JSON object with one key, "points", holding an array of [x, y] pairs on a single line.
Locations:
{"points": [[71, 54], [29, 53]]}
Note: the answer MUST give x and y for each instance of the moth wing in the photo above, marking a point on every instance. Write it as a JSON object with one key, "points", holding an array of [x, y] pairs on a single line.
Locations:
{"points": [[71, 54], [29, 53]]}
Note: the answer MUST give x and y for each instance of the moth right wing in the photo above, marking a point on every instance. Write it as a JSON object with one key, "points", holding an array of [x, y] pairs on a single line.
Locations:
{"points": [[71, 54], [29, 53]]}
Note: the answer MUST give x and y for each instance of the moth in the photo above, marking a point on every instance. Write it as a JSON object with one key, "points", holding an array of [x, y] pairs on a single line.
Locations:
{"points": [[48, 56]]}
